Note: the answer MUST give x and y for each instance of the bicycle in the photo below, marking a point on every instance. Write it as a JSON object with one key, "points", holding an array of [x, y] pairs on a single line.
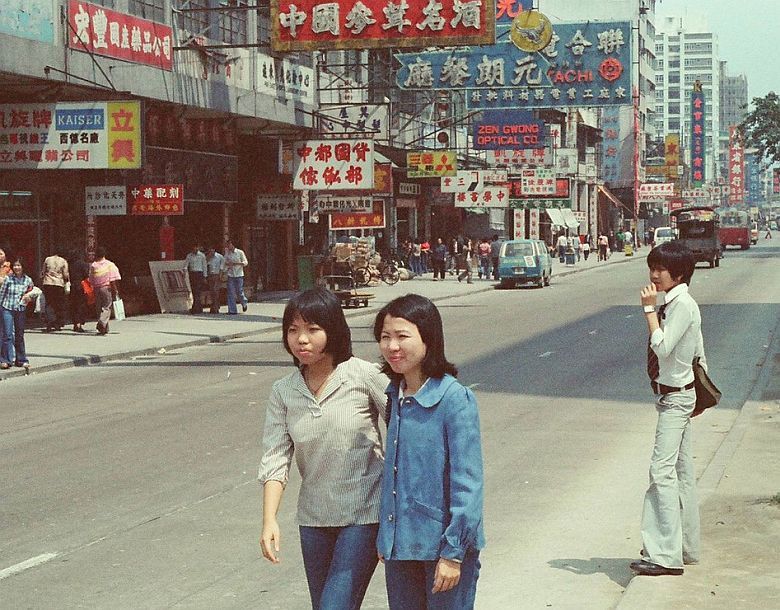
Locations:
{"points": [[387, 270]]}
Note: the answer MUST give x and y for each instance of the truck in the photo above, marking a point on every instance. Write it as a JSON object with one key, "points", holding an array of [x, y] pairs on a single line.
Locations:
{"points": [[698, 228]]}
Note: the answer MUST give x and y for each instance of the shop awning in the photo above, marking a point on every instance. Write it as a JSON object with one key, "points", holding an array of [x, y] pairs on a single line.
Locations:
{"points": [[608, 194], [556, 217], [569, 218]]}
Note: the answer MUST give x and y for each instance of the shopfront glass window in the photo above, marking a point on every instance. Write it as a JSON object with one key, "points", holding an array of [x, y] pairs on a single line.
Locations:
{"points": [[153, 10], [232, 24]]}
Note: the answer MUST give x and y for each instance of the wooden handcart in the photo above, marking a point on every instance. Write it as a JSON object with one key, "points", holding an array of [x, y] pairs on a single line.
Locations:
{"points": [[343, 286]]}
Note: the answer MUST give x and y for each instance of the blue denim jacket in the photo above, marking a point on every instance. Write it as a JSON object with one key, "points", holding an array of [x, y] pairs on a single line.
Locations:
{"points": [[432, 488]]}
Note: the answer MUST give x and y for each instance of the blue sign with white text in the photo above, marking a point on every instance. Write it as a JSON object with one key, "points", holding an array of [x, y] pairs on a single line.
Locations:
{"points": [[507, 129], [585, 64], [79, 119]]}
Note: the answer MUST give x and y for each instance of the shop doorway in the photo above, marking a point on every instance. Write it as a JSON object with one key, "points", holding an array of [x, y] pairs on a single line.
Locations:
{"points": [[23, 233]]}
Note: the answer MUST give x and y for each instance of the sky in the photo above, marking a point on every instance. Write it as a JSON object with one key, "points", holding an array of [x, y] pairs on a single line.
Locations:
{"points": [[747, 34]]}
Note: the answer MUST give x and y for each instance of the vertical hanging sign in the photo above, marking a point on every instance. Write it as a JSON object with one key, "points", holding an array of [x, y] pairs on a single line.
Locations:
{"points": [[697, 135], [736, 168]]}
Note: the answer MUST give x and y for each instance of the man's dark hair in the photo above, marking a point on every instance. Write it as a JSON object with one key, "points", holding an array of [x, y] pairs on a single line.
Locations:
{"points": [[100, 252], [322, 307], [421, 312], [675, 257]]}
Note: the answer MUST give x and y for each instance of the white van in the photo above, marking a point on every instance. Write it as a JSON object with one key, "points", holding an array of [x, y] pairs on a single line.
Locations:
{"points": [[662, 235]]}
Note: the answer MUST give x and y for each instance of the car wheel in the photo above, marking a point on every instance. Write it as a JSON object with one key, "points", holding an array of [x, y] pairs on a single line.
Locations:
{"points": [[717, 261]]}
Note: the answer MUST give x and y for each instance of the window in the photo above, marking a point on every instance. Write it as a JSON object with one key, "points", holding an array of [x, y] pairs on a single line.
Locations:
{"points": [[698, 47], [106, 3], [154, 10], [674, 125], [674, 94], [675, 63], [674, 108], [264, 26], [196, 23], [675, 48], [232, 24], [674, 78]]}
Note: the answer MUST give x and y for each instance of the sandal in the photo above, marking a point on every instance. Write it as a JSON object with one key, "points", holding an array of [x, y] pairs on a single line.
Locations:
{"points": [[4, 365]]}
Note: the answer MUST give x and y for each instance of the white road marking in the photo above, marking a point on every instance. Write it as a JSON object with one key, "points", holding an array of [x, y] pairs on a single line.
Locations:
{"points": [[26, 565], [546, 354], [473, 385], [593, 332], [629, 316]]}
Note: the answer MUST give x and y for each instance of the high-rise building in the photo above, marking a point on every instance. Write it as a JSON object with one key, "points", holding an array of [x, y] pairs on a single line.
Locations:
{"points": [[733, 108], [687, 52]]}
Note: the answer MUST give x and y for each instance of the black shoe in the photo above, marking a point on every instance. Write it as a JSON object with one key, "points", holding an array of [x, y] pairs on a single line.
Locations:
{"points": [[243, 308], [645, 568]]}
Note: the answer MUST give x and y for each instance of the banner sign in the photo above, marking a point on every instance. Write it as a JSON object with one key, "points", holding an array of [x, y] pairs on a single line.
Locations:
{"points": [[519, 158], [156, 199], [653, 193], [498, 130], [369, 120], [70, 135], [375, 219], [560, 198], [463, 181], [311, 25], [753, 179], [540, 181], [277, 206], [610, 145], [776, 181], [431, 164], [736, 167], [700, 194], [383, 179], [331, 165], [31, 19], [284, 79], [487, 197], [697, 136], [518, 224], [533, 224], [672, 156], [105, 200], [101, 31], [585, 64], [326, 204]]}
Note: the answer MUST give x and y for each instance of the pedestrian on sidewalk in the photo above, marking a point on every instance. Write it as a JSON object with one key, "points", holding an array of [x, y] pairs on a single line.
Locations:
{"points": [[79, 271], [603, 244], [197, 272], [54, 278], [430, 520], [439, 258], [586, 248], [235, 262], [415, 257], [670, 516], [562, 244], [425, 258], [465, 260], [327, 414], [215, 263], [5, 270], [103, 276], [483, 251], [495, 248], [768, 234], [15, 294]]}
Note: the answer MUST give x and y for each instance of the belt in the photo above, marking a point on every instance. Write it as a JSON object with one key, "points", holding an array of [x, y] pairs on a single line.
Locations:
{"points": [[659, 388]]}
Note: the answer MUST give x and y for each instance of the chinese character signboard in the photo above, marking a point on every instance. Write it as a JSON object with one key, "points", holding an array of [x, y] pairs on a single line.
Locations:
{"points": [[753, 178], [383, 179], [312, 25], [538, 181], [277, 206], [672, 155], [610, 145], [359, 120], [31, 19], [101, 31], [105, 200], [326, 204], [499, 130], [697, 136], [519, 158], [213, 68], [507, 10], [431, 164], [585, 64], [518, 199], [654, 193], [375, 219], [332, 165], [285, 79], [487, 197], [736, 167], [72, 135], [518, 224], [463, 181], [156, 199]]}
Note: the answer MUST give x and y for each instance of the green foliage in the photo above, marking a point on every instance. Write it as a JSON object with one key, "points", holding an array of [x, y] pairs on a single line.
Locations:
{"points": [[761, 127]]}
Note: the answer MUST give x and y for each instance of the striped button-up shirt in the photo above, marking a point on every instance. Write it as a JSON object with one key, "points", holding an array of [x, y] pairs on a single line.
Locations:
{"points": [[336, 442], [12, 290]]}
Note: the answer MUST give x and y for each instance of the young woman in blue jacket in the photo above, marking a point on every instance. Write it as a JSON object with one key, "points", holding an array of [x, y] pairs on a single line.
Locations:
{"points": [[430, 518]]}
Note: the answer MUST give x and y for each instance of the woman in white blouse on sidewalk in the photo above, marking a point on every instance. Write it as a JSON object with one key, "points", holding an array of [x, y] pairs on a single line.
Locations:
{"points": [[327, 413]]}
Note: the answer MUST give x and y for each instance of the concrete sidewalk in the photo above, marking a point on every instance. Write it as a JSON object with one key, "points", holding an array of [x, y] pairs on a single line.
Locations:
{"points": [[139, 335]]}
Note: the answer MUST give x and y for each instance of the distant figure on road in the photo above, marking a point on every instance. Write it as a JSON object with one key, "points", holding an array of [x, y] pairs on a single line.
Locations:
{"points": [[103, 276], [483, 251], [439, 258], [768, 234], [465, 260], [215, 263], [495, 248], [430, 526], [670, 517], [235, 261], [54, 276], [327, 413]]}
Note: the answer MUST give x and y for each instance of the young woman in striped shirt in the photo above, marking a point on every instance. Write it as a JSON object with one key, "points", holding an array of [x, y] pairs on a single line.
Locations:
{"points": [[327, 414]]}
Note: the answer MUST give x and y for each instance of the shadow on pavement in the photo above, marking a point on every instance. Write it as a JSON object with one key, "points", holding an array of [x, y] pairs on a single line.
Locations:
{"points": [[616, 568]]}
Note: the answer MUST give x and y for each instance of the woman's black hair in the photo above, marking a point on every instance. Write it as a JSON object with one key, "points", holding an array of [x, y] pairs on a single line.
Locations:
{"points": [[421, 312], [675, 257], [320, 306]]}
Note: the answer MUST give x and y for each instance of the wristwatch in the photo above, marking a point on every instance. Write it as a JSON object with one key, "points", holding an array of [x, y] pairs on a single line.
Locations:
{"points": [[649, 308]]}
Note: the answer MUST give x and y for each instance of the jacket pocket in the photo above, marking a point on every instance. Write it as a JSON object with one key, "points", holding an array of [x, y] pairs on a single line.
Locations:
{"points": [[429, 511]]}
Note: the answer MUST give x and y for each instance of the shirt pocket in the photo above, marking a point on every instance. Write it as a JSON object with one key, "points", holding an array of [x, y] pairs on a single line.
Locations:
{"points": [[429, 511]]}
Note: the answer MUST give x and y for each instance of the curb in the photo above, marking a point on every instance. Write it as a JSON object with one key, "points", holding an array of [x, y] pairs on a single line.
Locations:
{"points": [[82, 361]]}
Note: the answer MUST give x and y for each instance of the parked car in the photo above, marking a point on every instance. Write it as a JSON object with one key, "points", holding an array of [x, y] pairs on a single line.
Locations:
{"points": [[523, 261], [662, 235]]}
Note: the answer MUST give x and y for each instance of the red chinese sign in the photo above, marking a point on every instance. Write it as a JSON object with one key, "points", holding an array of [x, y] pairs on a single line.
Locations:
{"points": [[156, 200], [309, 25], [698, 108], [333, 165], [736, 167], [375, 219], [94, 29], [776, 181], [561, 190]]}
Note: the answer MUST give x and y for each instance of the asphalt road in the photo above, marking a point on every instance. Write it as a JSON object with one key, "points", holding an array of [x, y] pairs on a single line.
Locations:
{"points": [[132, 484]]}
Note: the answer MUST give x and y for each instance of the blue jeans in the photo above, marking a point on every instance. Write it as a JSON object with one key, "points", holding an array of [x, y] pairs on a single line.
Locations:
{"points": [[13, 351], [235, 288], [339, 563], [409, 585]]}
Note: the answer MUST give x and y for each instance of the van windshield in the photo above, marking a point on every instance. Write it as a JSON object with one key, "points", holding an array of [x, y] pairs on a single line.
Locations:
{"points": [[663, 233], [518, 250]]}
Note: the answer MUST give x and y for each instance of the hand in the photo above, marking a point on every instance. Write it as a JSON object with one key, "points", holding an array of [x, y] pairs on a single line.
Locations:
{"points": [[269, 541], [380, 557], [648, 295], [447, 575]]}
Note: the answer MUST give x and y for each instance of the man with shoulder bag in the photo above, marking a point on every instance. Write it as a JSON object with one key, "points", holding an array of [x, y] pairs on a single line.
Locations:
{"points": [[670, 516]]}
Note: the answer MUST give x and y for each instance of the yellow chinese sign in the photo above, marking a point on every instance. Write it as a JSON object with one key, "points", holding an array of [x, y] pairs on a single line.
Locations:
{"points": [[431, 164], [124, 135]]}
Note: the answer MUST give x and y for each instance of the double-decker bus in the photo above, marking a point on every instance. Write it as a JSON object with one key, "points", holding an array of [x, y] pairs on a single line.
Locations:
{"points": [[734, 228]]}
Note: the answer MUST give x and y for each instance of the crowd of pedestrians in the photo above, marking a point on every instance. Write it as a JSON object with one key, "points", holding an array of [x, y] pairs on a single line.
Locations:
{"points": [[460, 257]]}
